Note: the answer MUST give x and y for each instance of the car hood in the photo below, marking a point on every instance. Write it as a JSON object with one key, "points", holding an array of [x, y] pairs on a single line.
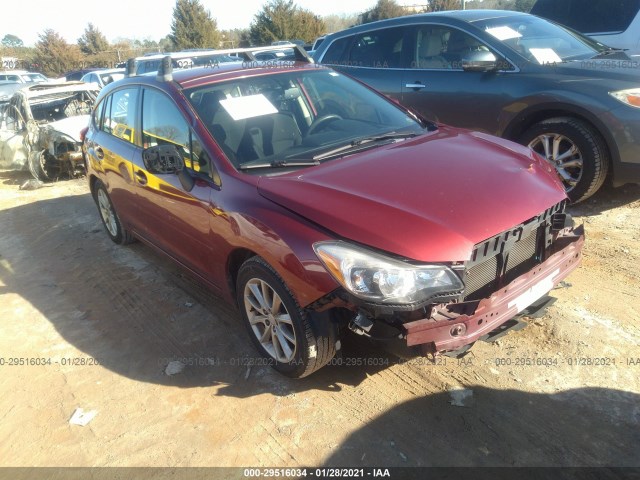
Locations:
{"points": [[431, 198], [70, 126]]}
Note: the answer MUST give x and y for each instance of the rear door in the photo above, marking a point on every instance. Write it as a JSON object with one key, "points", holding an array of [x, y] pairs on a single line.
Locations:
{"points": [[113, 151]]}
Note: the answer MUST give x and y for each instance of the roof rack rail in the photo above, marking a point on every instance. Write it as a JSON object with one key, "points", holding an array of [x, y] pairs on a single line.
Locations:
{"points": [[131, 67], [165, 71], [247, 53]]}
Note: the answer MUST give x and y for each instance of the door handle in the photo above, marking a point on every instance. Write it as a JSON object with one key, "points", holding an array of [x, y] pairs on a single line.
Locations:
{"points": [[99, 153], [142, 178], [415, 85]]}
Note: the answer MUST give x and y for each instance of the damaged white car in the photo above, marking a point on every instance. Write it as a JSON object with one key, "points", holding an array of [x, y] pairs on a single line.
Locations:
{"points": [[40, 129]]}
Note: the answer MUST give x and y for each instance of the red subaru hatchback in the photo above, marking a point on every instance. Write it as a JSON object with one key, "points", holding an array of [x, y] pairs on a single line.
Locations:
{"points": [[318, 206]]}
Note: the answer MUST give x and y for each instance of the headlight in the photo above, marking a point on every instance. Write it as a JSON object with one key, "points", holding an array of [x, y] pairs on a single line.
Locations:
{"points": [[377, 278], [630, 97]]}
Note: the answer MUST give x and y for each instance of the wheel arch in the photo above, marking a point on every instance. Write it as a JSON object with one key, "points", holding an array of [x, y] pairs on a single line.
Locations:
{"points": [[92, 184], [234, 261], [538, 113]]}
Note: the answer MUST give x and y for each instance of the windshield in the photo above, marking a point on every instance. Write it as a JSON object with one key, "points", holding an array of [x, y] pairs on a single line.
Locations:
{"points": [[540, 41], [33, 77], [111, 77], [295, 118]]}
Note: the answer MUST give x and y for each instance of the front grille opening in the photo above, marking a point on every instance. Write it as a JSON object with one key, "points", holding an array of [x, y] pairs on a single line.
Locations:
{"points": [[522, 258], [486, 277], [480, 279]]}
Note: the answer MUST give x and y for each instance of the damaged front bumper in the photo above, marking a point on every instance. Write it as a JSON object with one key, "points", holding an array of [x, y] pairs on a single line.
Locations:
{"points": [[435, 336]]}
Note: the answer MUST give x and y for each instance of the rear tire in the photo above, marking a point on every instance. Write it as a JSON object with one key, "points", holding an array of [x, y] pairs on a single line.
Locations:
{"points": [[109, 217], [280, 330], [575, 149]]}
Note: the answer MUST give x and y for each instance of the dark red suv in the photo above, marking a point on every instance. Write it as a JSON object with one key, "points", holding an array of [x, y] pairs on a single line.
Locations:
{"points": [[318, 206]]}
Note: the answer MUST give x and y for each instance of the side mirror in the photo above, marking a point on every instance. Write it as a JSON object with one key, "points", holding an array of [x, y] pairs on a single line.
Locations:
{"points": [[479, 62], [163, 159]]}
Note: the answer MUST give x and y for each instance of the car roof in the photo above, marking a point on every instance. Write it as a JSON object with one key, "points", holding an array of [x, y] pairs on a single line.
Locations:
{"points": [[467, 16], [479, 14], [109, 70]]}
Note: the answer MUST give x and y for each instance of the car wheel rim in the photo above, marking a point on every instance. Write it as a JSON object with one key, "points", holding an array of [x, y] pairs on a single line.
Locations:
{"points": [[270, 321], [563, 154], [107, 213]]}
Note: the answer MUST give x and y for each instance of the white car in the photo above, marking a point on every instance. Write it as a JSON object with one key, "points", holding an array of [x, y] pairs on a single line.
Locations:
{"points": [[104, 77], [22, 76], [615, 24]]}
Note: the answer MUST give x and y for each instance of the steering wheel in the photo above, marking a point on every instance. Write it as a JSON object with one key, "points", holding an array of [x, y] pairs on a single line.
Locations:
{"points": [[318, 122]]}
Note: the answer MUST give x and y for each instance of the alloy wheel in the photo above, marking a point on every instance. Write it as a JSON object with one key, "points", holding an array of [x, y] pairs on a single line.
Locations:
{"points": [[107, 213], [563, 154], [270, 321]]}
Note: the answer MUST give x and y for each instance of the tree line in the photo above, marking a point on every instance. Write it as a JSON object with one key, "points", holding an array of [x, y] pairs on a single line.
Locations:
{"points": [[193, 27]]}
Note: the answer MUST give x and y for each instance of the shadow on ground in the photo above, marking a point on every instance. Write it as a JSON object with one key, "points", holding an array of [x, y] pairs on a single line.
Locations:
{"points": [[607, 198], [134, 311], [587, 427]]}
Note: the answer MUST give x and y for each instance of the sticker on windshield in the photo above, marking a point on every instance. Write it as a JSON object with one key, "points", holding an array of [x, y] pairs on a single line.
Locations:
{"points": [[248, 107], [545, 55], [503, 33]]}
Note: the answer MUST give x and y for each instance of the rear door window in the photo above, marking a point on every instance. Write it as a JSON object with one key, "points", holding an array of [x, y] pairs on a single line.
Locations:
{"points": [[384, 48], [119, 116]]}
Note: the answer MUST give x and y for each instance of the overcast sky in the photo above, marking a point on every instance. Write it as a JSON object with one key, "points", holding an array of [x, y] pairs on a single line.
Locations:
{"points": [[139, 19]]}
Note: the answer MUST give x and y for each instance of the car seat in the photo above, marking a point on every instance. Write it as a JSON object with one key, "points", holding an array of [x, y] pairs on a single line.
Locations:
{"points": [[430, 47]]}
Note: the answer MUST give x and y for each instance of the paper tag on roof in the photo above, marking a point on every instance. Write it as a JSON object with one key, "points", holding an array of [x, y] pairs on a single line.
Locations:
{"points": [[248, 107]]}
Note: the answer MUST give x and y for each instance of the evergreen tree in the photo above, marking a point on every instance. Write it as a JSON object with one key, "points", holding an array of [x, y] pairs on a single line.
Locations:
{"points": [[11, 41], [92, 41], [383, 9], [444, 5], [54, 55], [283, 20], [193, 26], [524, 5]]}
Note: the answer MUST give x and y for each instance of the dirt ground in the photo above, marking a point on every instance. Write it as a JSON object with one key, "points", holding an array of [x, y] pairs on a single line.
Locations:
{"points": [[88, 324]]}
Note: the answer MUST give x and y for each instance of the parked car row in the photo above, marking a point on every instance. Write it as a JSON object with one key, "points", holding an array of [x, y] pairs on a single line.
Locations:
{"points": [[182, 59]]}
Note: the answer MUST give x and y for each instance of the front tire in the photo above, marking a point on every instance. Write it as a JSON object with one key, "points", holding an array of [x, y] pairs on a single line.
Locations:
{"points": [[575, 149], [109, 217], [280, 330]]}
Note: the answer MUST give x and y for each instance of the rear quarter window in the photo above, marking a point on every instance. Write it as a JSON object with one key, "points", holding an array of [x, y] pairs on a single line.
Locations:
{"points": [[337, 53]]}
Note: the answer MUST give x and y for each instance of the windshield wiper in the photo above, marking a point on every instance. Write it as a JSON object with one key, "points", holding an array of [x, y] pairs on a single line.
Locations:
{"points": [[367, 142], [610, 51], [279, 164], [385, 136]]}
